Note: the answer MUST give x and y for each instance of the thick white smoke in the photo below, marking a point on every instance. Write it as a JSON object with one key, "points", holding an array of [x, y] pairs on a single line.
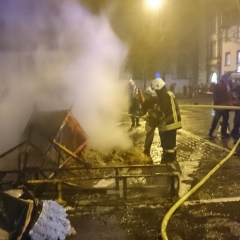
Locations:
{"points": [[68, 57]]}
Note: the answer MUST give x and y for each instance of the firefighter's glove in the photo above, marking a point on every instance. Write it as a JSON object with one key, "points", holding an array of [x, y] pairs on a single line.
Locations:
{"points": [[155, 114], [152, 113], [156, 107], [161, 118]]}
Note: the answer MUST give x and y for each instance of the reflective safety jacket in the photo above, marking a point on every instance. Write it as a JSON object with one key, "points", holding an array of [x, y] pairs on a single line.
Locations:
{"points": [[169, 106]]}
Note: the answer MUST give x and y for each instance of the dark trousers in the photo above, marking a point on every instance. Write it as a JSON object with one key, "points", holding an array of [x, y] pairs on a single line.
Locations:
{"points": [[149, 140], [168, 143], [135, 121], [218, 114]]}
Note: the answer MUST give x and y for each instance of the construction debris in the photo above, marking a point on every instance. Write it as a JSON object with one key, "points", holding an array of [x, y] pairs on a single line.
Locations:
{"points": [[25, 217]]}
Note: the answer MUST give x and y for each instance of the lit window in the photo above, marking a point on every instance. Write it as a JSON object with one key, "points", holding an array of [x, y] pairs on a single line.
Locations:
{"points": [[238, 57], [227, 59], [214, 78]]}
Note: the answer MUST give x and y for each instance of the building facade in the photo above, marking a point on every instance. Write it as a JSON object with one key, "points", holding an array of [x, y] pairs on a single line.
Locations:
{"points": [[209, 51], [219, 40], [231, 51]]}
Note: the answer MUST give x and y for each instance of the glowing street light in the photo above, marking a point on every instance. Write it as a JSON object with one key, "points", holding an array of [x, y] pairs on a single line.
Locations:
{"points": [[154, 3]]}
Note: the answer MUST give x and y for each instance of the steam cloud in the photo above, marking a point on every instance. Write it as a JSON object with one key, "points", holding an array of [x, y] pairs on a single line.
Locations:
{"points": [[67, 57]]}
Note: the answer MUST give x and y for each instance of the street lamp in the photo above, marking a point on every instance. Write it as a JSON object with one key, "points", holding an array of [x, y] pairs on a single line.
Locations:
{"points": [[155, 4]]}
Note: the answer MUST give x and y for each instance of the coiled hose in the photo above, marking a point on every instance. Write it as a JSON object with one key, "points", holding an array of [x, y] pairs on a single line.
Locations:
{"points": [[196, 187]]}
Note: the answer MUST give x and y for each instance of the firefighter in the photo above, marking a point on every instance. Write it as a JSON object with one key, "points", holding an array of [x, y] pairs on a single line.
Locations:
{"points": [[170, 122], [149, 107], [134, 104]]}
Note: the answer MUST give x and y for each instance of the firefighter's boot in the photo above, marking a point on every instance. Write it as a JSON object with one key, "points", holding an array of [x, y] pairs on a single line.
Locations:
{"points": [[170, 158]]}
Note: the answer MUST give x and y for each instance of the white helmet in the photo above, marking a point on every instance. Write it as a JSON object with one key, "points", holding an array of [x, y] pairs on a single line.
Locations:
{"points": [[149, 91], [132, 83], [157, 84]]}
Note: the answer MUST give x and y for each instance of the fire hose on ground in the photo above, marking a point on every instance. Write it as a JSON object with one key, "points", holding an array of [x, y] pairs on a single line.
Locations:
{"points": [[166, 218], [195, 188], [204, 180]]}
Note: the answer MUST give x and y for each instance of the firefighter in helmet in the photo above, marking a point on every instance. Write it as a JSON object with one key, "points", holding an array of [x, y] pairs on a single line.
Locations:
{"points": [[134, 104], [171, 121], [149, 107]]}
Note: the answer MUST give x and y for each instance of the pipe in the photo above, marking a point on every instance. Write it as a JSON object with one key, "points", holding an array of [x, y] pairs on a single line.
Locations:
{"points": [[132, 115], [12, 149], [195, 188], [191, 106], [87, 165], [210, 106]]}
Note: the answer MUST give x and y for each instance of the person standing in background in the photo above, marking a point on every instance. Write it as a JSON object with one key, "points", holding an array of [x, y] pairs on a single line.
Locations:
{"points": [[172, 87], [221, 96], [190, 91], [185, 91], [134, 104]]}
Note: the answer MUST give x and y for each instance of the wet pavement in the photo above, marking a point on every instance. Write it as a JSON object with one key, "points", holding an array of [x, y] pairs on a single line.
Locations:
{"points": [[193, 144], [212, 212]]}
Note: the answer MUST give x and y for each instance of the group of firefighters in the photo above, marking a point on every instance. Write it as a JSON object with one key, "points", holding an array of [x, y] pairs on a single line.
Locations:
{"points": [[163, 113]]}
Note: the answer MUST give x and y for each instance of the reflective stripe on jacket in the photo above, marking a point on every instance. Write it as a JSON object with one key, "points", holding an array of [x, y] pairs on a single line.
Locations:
{"points": [[170, 108]]}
